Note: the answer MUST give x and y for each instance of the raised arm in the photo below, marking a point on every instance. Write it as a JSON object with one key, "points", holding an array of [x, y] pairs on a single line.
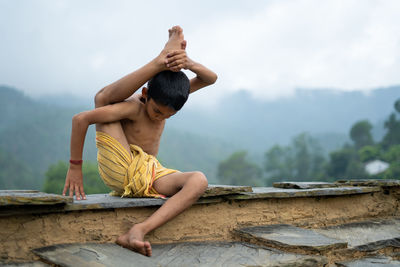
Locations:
{"points": [[80, 124], [178, 59], [129, 84]]}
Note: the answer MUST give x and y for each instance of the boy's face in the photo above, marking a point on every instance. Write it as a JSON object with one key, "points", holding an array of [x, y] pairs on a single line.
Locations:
{"points": [[158, 112]]}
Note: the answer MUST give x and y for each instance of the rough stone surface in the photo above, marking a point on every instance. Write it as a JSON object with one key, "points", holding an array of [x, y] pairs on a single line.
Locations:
{"points": [[229, 254], [304, 185], [368, 182], [370, 262], [181, 254], [221, 190], [271, 192], [367, 235], [288, 236], [18, 197], [25, 264], [33, 202], [90, 254], [204, 222]]}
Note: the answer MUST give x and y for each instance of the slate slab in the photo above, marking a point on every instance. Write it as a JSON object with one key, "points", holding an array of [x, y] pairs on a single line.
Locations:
{"points": [[367, 235], [286, 236], [91, 254], [271, 192], [369, 182], [181, 254], [229, 254], [221, 190], [18, 197], [25, 264], [370, 262], [304, 185]]}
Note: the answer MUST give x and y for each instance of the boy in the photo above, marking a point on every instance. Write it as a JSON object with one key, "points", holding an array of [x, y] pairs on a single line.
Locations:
{"points": [[128, 132]]}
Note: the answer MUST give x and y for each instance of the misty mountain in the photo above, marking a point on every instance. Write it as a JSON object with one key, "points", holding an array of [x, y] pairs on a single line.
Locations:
{"points": [[257, 124], [36, 132]]}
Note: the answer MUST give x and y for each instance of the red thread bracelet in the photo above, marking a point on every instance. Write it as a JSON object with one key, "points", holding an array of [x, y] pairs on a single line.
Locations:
{"points": [[76, 162]]}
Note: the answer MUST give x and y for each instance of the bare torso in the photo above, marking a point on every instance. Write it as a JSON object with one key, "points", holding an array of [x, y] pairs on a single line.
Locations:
{"points": [[143, 132]]}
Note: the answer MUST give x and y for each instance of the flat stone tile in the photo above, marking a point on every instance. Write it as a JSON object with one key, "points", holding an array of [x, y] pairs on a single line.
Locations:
{"points": [[105, 201], [370, 262], [271, 192], [369, 182], [91, 254], [18, 197], [368, 235], [222, 190], [288, 236], [304, 185], [25, 264], [229, 254]]}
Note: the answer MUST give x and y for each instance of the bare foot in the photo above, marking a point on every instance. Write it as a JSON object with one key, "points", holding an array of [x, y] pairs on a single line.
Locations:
{"points": [[133, 240], [175, 39]]}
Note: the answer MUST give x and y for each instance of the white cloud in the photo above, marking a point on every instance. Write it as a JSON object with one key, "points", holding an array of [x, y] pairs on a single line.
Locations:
{"points": [[347, 45], [267, 47]]}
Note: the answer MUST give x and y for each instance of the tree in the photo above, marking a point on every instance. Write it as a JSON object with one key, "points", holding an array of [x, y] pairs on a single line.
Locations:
{"points": [[360, 133], [368, 153], [15, 174], [392, 136], [55, 179], [279, 163], [393, 157], [237, 170], [345, 164], [300, 161]]}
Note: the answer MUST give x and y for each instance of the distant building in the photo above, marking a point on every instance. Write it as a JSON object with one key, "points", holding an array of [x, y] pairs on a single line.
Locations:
{"points": [[376, 166]]}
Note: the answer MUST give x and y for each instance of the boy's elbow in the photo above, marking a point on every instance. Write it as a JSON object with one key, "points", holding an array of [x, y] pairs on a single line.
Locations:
{"points": [[79, 119]]}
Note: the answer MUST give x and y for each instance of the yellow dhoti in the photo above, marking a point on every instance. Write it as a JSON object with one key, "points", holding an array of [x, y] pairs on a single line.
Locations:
{"points": [[128, 174]]}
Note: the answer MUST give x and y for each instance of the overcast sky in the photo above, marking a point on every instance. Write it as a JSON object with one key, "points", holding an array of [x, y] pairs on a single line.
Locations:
{"points": [[266, 47]]}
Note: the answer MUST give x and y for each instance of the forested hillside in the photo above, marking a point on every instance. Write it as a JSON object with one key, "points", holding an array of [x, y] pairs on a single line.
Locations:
{"points": [[34, 134]]}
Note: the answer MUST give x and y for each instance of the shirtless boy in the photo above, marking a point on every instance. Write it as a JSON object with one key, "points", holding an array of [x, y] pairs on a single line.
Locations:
{"points": [[128, 132]]}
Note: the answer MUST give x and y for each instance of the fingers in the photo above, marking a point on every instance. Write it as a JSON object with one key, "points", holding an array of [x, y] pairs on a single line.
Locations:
{"points": [[82, 192], [65, 189], [78, 189]]}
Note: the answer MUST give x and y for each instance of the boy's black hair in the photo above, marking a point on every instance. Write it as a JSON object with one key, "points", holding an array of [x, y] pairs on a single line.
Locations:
{"points": [[169, 88]]}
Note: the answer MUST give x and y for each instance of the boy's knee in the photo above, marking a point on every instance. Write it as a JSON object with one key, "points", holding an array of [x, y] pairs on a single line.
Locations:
{"points": [[201, 180]]}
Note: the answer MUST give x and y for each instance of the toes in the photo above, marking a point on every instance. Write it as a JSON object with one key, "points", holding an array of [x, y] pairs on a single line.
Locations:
{"points": [[148, 249]]}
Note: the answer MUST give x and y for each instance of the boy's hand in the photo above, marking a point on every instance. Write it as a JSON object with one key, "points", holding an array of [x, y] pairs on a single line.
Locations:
{"points": [[74, 181], [177, 60]]}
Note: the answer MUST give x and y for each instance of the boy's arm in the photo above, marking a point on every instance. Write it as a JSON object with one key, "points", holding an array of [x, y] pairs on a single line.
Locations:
{"points": [[80, 124], [178, 59], [126, 86]]}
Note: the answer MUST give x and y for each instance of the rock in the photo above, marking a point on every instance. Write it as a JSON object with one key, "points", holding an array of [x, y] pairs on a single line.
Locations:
{"points": [[229, 254], [271, 192], [367, 182], [304, 185], [367, 235], [370, 262], [26, 197], [220, 190], [286, 236], [90, 254], [180, 254], [25, 264]]}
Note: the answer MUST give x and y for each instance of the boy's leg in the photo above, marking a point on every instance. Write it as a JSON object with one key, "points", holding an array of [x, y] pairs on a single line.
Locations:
{"points": [[114, 129], [128, 85], [185, 189]]}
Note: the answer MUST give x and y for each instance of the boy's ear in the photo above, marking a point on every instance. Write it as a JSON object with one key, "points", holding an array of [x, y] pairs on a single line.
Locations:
{"points": [[144, 92]]}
